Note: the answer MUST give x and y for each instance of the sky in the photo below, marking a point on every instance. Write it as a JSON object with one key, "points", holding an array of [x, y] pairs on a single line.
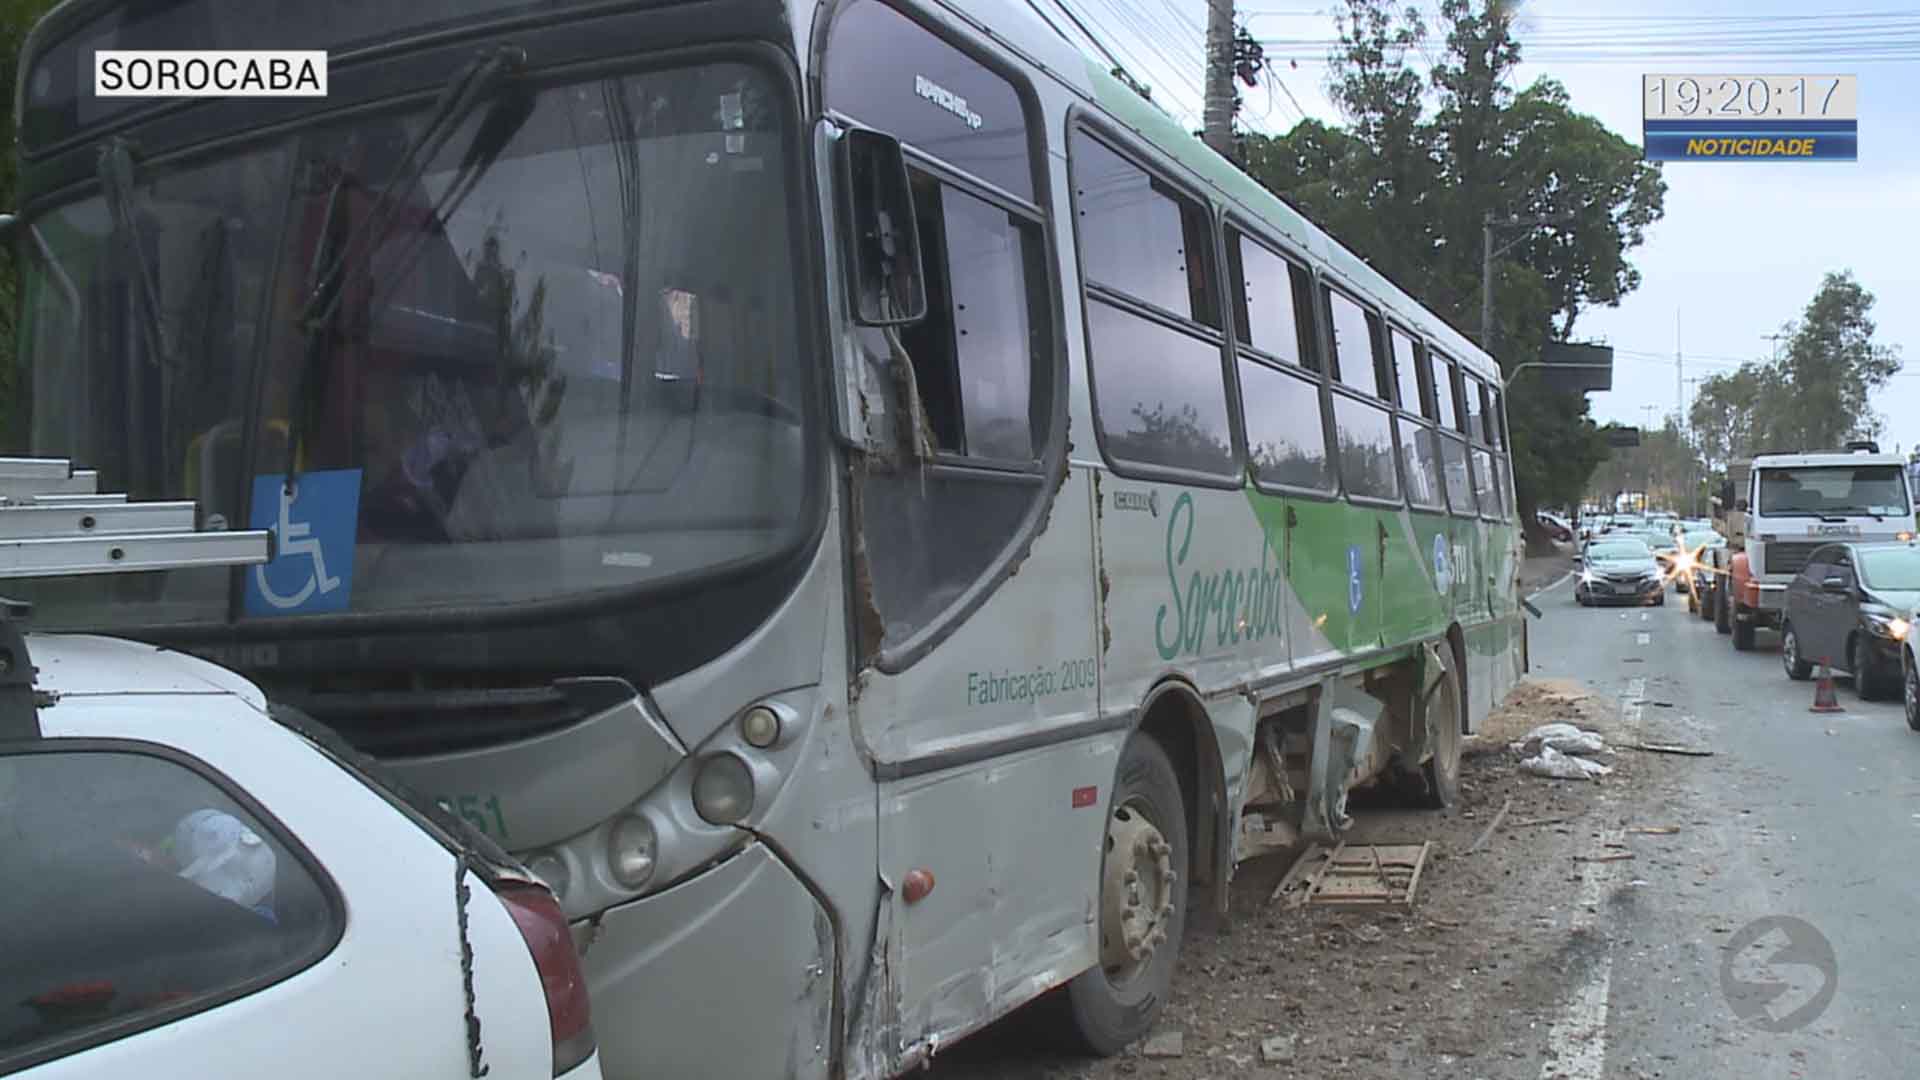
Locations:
{"points": [[1742, 246]]}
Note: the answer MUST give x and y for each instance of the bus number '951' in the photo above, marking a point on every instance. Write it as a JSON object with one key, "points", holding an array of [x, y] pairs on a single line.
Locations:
{"points": [[484, 815]]}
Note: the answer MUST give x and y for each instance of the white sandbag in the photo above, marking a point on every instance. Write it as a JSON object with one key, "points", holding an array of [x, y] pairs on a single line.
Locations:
{"points": [[1566, 738], [1555, 765]]}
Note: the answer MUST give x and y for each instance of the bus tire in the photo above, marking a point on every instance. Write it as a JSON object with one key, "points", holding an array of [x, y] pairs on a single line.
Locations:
{"points": [[1117, 1000], [1441, 771], [1722, 622]]}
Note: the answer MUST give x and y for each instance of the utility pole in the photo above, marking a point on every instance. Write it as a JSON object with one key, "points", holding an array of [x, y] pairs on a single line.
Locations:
{"points": [[1217, 104], [1488, 253], [1646, 485], [1776, 339], [1681, 427], [1700, 459]]}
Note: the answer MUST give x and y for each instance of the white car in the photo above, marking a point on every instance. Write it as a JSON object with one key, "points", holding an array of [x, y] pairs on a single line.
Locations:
{"points": [[195, 888], [1910, 674]]}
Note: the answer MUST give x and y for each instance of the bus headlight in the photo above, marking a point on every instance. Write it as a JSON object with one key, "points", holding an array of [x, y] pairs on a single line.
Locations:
{"points": [[633, 850], [760, 726], [723, 790], [551, 869]]}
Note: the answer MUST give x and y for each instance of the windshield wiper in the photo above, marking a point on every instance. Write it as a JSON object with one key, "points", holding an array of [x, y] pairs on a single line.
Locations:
{"points": [[115, 170], [473, 84]]}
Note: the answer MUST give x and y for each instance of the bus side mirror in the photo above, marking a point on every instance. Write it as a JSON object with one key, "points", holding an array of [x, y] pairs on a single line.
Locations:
{"points": [[881, 237]]}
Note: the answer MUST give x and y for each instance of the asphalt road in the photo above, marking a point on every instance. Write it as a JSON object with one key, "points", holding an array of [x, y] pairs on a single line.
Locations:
{"points": [[1800, 814]]}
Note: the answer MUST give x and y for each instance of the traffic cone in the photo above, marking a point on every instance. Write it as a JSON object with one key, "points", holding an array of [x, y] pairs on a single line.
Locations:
{"points": [[1824, 699]]}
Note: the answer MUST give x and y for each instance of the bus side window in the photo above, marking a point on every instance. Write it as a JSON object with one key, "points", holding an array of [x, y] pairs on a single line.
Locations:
{"points": [[1279, 398], [1153, 325], [979, 352], [1454, 459]]}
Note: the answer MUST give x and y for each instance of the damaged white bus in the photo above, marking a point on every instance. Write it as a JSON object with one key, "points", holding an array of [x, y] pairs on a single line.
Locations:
{"points": [[866, 507]]}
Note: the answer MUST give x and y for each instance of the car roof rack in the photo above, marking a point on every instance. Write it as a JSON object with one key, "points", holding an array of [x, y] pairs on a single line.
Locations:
{"points": [[55, 522]]}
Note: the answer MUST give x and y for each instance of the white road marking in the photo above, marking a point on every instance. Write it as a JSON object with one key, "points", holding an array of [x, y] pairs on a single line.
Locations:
{"points": [[1643, 616], [1642, 638], [1577, 1041]]}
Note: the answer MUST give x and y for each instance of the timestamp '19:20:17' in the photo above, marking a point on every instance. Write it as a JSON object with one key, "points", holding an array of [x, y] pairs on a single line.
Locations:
{"points": [[1733, 96]]}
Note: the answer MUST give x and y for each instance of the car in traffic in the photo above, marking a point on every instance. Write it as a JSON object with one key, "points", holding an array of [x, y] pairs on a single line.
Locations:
{"points": [[1683, 564], [1619, 570], [199, 884], [1701, 581], [1555, 526], [1851, 608]]}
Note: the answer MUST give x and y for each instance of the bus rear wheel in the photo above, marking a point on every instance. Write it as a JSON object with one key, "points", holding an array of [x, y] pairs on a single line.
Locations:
{"points": [[1143, 904]]}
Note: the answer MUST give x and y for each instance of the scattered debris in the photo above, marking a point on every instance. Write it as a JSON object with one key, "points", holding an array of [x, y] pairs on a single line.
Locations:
{"points": [[1561, 819], [1654, 830], [1278, 1050], [1673, 748], [1491, 826], [1370, 876], [1164, 1044], [1555, 765], [1611, 856]]}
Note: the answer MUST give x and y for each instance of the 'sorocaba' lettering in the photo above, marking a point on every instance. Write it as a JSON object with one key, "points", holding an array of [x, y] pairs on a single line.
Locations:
{"points": [[168, 75], [1236, 605]]}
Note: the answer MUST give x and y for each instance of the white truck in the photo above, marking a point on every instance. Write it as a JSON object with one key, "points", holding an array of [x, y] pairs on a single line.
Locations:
{"points": [[1776, 509]]}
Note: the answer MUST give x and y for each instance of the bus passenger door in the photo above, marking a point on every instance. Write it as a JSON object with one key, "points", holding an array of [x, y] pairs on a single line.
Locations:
{"points": [[973, 604]]}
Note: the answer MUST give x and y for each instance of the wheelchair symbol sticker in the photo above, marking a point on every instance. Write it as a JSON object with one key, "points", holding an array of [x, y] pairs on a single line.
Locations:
{"points": [[1356, 584], [313, 530]]}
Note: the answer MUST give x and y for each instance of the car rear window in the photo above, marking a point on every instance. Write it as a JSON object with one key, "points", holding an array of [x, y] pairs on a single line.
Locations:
{"points": [[140, 889]]}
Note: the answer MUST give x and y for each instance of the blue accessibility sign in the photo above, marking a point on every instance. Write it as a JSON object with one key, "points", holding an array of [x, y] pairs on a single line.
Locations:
{"points": [[313, 525], [1356, 584]]}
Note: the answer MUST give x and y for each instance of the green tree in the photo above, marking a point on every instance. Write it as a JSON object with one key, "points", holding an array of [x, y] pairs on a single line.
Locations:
{"points": [[1421, 163], [16, 18], [1816, 395]]}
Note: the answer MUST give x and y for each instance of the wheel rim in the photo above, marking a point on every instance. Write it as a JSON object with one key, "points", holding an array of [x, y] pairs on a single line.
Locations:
{"points": [[1136, 897], [1790, 649], [1858, 662], [1446, 735], [1913, 693]]}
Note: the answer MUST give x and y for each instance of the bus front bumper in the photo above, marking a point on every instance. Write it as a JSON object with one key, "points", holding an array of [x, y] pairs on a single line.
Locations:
{"points": [[727, 974]]}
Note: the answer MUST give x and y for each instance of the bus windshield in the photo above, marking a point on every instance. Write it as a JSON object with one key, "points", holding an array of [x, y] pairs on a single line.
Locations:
{"points": [[1832, 490], [564, 357]]}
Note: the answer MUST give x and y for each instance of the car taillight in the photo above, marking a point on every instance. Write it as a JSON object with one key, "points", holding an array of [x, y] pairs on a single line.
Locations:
{"points": [[544, 927]]}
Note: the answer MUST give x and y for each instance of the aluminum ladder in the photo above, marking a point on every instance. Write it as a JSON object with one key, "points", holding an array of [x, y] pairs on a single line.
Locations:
{"points": [[55, 522]]}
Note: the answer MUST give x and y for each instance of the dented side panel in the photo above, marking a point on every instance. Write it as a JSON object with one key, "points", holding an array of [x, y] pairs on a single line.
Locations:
{"points": [[743, 944]]}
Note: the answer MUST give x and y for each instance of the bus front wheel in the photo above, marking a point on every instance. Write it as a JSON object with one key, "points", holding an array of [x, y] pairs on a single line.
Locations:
{"points": [[1440, 712], [1143, 904]]}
